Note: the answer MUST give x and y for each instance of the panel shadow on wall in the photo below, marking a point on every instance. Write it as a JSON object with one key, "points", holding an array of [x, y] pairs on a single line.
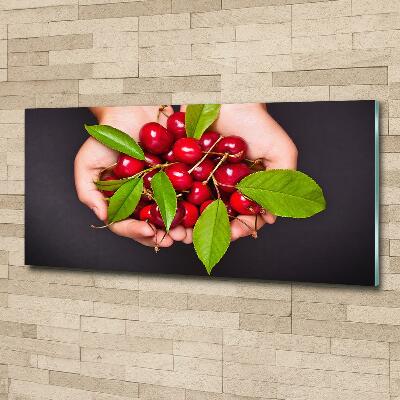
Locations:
{"points": [[336, 144]]}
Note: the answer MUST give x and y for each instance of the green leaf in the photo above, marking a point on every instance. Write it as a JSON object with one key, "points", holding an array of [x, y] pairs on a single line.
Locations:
{"points": [[165, 197], [285, 193], [111, 185], [116, 140], [199, 117], [125, 199], [212, 234]]}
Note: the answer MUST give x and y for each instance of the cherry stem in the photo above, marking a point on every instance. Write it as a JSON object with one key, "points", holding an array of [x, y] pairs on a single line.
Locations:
{"points": [[216, 187], [253, 231], [107, 168], [156, 248], [101, 227], [205, 156], [161, 110], [224, 157]]}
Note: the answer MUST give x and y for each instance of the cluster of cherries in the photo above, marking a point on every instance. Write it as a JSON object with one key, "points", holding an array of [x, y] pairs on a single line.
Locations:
{"points": [[199, 170]]}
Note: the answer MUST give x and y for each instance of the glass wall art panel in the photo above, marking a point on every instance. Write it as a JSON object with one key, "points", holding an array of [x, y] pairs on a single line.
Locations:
{"points": [[277, 191]]}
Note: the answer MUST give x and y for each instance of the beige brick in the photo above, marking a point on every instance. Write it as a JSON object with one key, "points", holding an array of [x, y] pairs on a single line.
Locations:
{"points": [[37, 390], [374, 7], [180, 84], [359, 348], [341, 59], [236, 304], [163, 331], [124, 9], [150, 392], [58, 364], [14, 357], [358, 92], [100, 86], [331, 362], [394, 73], [102, 325], [121, 100], [187, 67], [28, 374], [115, 39], [197, 365], [42, 73], [43, 14], [163, 300], [249, 355], [103, 371], [319, 311], [262, 31], [120, 311], [50, 43], [319, 44], [323, 9], [395, 247], [164, 22], [199, 35], [115, 69], [196, 98], [244, 16], [145, 360], [165, 53], [375, 315], [16, 158], [175, 379], [265, 323], [12, 116], [290, 392], [190, 317], [244, 387], [75, 381], [64, 335], [199, 350], [373, 40], [341, 77]]}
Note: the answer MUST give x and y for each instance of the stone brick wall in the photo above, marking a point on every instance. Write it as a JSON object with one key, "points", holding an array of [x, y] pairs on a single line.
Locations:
{"points": [[96, 336]]}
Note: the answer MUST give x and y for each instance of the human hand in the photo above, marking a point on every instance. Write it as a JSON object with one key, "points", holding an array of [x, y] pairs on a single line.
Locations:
{"points": [[266, 141], [93, 157]]}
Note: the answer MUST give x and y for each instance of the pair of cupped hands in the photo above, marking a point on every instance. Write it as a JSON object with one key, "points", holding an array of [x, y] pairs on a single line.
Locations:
{"points": [[266, 140]]}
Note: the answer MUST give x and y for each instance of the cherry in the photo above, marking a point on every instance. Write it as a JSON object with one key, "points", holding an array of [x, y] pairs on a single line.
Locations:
{"points": [[109, 193], [127, 166], [243, 205], [191, 214], [199, 193], [204, 205], [156, 218], [170, 156], [143, 202], [179, 176], [155, 138], [144, 213], [187, 150], [176, 124], [235, 146], [208, 139], [147, 177], [203, 170], [151, 159], [228, 175]]}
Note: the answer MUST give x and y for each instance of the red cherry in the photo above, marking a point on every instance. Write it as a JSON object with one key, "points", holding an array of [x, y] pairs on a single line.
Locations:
{"points": [[235, 146], [155, 138], [230, 210], [147, 177], [191, 214], [170, 156], [127, 166], [109, 193], [199, 193], [156, 218], [151, 159], [179, 176], [144, 213], [144, 201], [208, 139], [187, 150], [204, 205], [243, 205], [228, 175], [176, 124], [203, 170]]}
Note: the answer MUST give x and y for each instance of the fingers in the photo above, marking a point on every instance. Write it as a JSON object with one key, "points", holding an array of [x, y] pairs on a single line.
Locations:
{"points": [[178, 234], [244, 225], [163, 115], [142, 232], [269, 218], [189, 236], [86, 189]]}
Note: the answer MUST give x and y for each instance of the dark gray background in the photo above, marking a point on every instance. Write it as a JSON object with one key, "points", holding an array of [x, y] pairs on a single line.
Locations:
{"points": [[336, 147]]}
